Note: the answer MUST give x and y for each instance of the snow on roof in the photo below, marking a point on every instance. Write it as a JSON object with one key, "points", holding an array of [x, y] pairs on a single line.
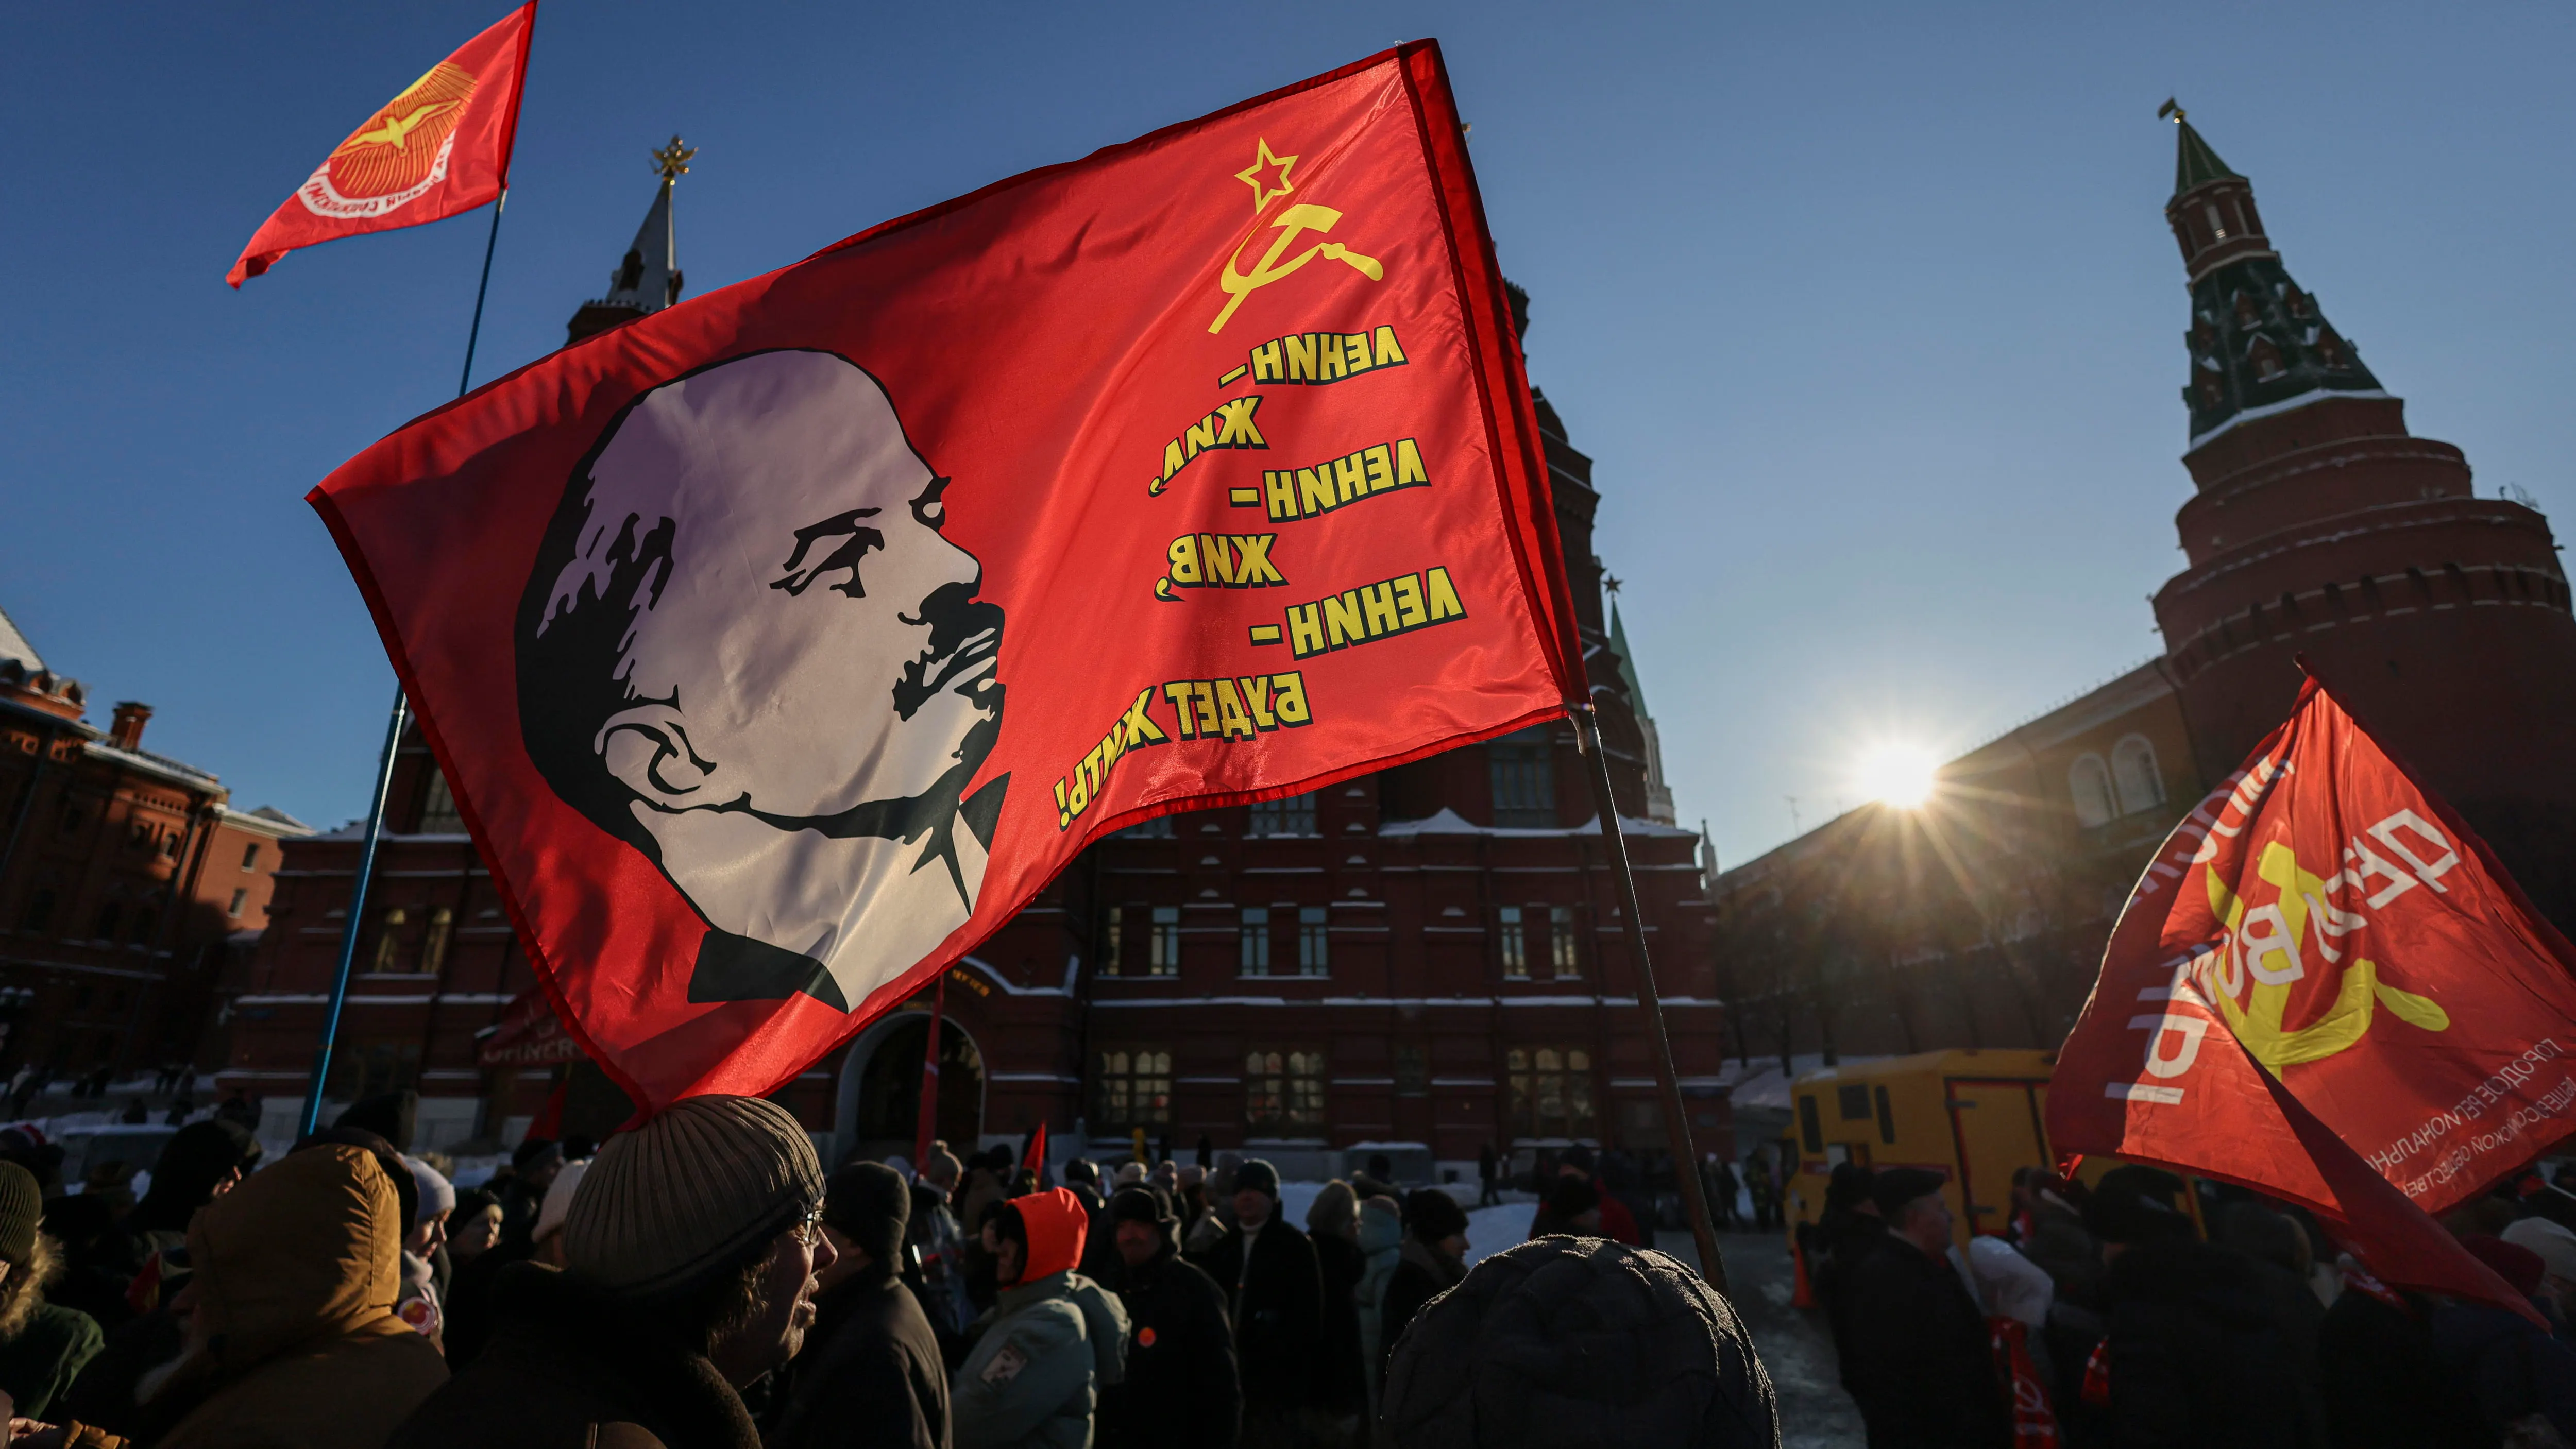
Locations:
{"points": [[1450, 822], [14, 645]]}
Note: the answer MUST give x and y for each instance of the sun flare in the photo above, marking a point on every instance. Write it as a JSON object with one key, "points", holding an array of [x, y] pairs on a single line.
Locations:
{"points": [[1898, 774]]}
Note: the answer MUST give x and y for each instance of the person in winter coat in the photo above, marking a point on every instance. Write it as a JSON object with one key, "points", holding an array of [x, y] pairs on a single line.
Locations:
{"points": [[1333, 1227], [1099, 1254], [1920, 1367], [43, 1346], [2520, 1378], [1051, 1343], [2383, 1384], [1568, 1343], [290, 1332], [1276, 1290], [1617, 1223], [533, 1168], [2195, 1352], [870, 1376], [1430, 1263], [1574, 1208], [690, 1251], [1182, 1389], [1847, 1233], [1381, 1240]]}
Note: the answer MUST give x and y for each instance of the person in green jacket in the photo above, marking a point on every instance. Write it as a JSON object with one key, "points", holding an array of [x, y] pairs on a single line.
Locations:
{"points": [[43, 1346], [1049, 1346]]}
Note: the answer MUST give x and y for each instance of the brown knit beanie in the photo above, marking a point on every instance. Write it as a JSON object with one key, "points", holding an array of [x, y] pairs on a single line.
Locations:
{"points": [[22, 1211], [698, 1184]]}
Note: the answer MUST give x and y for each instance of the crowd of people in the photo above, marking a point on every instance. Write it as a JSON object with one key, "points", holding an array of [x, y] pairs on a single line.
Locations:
{"points": [[2148, 1312], [700, 1281]]}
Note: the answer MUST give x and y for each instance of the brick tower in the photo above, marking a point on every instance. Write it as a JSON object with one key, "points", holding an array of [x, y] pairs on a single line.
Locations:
{"points": [[2321, 527]]}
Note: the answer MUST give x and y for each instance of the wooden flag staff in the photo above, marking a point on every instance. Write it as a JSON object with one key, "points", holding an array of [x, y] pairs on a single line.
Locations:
{"points": [[1686, 1166]]}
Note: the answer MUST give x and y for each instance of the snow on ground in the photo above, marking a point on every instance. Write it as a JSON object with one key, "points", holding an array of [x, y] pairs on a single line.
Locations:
{"points": [[1489, 1230]]}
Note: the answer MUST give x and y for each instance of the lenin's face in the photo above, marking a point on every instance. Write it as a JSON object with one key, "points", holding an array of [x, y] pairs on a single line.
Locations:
{"points": [[814, 646], [772, 671]]}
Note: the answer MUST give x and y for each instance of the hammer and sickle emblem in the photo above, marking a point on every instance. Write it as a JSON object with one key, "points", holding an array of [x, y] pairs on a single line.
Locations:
{"points": [[1291, 223]]}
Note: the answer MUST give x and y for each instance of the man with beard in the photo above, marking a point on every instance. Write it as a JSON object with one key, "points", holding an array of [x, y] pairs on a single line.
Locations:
{"points": [[1182, 1390], [690, 1254], [747, 650]]}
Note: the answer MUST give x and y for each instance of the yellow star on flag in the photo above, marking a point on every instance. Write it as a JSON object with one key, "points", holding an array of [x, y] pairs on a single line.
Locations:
{"points": [[1265, 191]]}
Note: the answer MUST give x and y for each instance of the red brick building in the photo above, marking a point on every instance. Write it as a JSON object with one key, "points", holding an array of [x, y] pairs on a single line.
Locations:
{"points": [[2319, 527], [1430, 956], [127, 880]]}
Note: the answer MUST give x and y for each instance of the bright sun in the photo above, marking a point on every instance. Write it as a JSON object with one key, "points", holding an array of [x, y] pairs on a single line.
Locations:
{"points": [[1898, 775]]}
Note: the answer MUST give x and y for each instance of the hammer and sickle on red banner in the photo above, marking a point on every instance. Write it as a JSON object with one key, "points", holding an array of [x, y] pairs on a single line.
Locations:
{"points": [[1291, 223]]}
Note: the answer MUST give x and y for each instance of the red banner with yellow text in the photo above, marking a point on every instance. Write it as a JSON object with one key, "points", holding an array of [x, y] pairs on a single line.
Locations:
{"points": [[781, 645]]}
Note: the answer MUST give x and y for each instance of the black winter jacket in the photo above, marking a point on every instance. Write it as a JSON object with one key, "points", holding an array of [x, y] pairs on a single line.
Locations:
{"points": [[869, 1376], [1182, 1389], [1422, 1273], [1919, 1361], [2198, 1354], [1277, 1294]]}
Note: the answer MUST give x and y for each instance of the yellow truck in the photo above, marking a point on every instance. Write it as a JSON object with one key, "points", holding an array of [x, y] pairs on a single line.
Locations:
{"points": [[1974, 1116]]}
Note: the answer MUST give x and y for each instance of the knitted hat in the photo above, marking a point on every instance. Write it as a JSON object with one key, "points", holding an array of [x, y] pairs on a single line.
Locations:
{"points": [[701, 1182], [22, 1211], [1130, 1174], [1893, 1189], [1567, 1342], [870, 1204], [1140, 1205], [941, 1167], [437, 1194], [1255, 1175], [1431, 1215]]}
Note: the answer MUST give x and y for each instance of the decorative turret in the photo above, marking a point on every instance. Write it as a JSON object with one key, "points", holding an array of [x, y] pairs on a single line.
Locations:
{"points": [[648, 279], [2259, 345], [1659, 795]]}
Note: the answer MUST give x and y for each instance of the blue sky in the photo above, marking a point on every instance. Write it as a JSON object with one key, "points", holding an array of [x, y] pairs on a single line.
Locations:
{"points": [[1868, 313]]}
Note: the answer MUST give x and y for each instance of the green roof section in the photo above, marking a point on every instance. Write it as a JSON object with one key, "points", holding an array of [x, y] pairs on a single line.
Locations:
{"points": [[2194, 163], [1627, 666]]}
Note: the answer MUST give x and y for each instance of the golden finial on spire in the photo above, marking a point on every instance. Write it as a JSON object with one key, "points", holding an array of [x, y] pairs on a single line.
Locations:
{"points": [[673, 160], [2171, 110]]}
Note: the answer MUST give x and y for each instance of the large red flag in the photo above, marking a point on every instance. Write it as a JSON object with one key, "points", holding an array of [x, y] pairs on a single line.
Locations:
{"points": [[1212, 451], [441, 147], [2324, 987]]}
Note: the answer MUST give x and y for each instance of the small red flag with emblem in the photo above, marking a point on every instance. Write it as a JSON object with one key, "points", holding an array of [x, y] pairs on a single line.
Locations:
{"points": [[440, 147], [2324, 987], [1212, 452]]}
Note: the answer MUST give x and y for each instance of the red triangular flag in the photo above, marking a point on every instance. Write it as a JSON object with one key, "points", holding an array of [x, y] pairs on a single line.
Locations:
{"points": [[1035, 1161], [2404, 1015], [440, 147]]}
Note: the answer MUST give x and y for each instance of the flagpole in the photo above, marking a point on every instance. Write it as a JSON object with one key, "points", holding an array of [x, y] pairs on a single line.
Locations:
{"points": [[1587, 742], [351, 929]]}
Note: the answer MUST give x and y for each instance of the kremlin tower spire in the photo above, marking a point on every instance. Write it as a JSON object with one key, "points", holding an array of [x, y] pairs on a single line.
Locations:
{"points": [[2259, 345], [2320, 527], [648, 279]]}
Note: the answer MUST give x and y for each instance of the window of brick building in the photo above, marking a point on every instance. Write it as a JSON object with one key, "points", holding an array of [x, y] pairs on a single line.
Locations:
{"points": [[1412, 1069], [241, 898], [438, 813], [1524, 775], [1514, 944], [1314, 942], [250, 856], [389, 924], [1164, 957], [104, 928], [1549, 1091], [434, 941], [1158, 828], [1292, 816], [1133, 1088], [40, 909], [1113, 930], [1283, 1091], [1256, 940], [1565, 952], [364, 1069]]}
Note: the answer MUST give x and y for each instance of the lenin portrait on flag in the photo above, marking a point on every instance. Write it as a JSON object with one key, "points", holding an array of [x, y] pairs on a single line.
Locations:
{"points": [[747, 651]]}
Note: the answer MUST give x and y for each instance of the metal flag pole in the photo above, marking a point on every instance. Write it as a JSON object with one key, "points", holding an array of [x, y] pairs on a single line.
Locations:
{"points": [[1587, 741], [356, 923]]}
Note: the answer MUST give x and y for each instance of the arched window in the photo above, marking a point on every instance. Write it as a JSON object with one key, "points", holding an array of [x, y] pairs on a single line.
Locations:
{"points": [[2133, 769], [2089, 781]]}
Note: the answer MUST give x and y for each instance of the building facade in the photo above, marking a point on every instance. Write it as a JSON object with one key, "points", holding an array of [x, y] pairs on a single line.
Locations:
{"points": [[2319, 530], [1431, 959], [127, 882]]}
